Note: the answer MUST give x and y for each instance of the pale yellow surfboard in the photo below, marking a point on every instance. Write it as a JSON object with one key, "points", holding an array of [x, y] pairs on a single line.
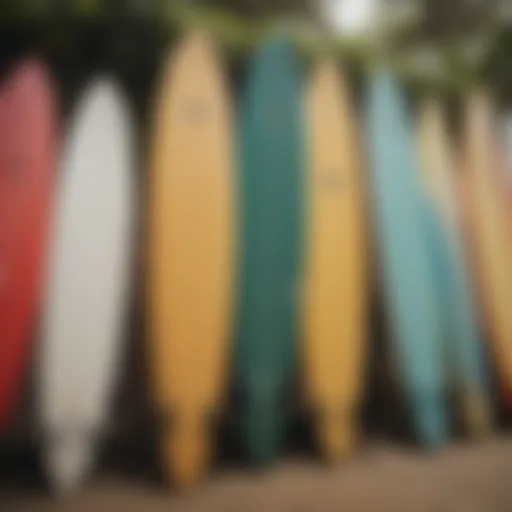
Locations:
{"points": [[335, 313], [438, 171], [191, 252], [487, 230], [437, 164]]}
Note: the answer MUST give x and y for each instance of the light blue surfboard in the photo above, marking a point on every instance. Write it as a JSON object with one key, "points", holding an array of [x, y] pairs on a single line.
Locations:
{"points": [[403, 254]]}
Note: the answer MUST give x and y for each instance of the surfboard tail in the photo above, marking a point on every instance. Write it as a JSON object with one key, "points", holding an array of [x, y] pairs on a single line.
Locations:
{"points": [[186, 450], [7, 399], [263, 428], [68, 460], [430, 421], [477, 412], [336, 435]]}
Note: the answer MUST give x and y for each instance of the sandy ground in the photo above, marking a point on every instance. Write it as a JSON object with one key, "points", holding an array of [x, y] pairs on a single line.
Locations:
{"points": [[463, 477]]}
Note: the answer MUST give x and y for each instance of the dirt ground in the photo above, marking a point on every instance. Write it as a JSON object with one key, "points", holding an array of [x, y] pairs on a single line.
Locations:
{"points": [[462, 477]]}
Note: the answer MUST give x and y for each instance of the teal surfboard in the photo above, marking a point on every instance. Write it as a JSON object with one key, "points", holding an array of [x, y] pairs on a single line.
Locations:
{"points": [[271, 175], [462, 347], [403, 254]]}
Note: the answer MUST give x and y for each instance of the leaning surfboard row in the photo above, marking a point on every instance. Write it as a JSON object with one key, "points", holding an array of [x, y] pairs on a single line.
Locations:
{"points": [[257, 255]]}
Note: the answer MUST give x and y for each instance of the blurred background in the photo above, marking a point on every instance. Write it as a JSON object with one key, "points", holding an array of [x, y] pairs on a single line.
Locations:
{"points": [[441, 45]]}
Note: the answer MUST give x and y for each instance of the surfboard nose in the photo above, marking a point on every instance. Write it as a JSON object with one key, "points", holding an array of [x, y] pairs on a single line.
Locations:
{"points": [[68, 459]]}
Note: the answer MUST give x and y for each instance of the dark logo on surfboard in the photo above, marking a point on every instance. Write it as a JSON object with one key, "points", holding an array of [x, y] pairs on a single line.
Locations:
{"points": [[331, 180], [196, 111]]}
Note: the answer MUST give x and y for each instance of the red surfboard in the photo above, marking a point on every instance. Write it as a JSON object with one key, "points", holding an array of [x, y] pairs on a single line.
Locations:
{"points": [[27, 144]]}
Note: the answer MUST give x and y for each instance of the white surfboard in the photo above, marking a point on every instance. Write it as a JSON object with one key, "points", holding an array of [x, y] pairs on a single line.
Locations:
{"points": [[87, 294]]}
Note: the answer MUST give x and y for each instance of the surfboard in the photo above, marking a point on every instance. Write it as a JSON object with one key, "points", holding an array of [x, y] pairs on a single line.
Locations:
{"points": [[487, 232], [271, 176], [191, 254], [88, 284], [403, 252], [335, 296], [462, 350], [504, 168], [463, 353], [27, 152]]}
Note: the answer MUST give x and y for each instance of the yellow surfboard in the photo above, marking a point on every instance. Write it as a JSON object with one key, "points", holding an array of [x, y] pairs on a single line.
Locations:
{"points": [[191, 252], [462, 349], [335, 275], [487, 232]]}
